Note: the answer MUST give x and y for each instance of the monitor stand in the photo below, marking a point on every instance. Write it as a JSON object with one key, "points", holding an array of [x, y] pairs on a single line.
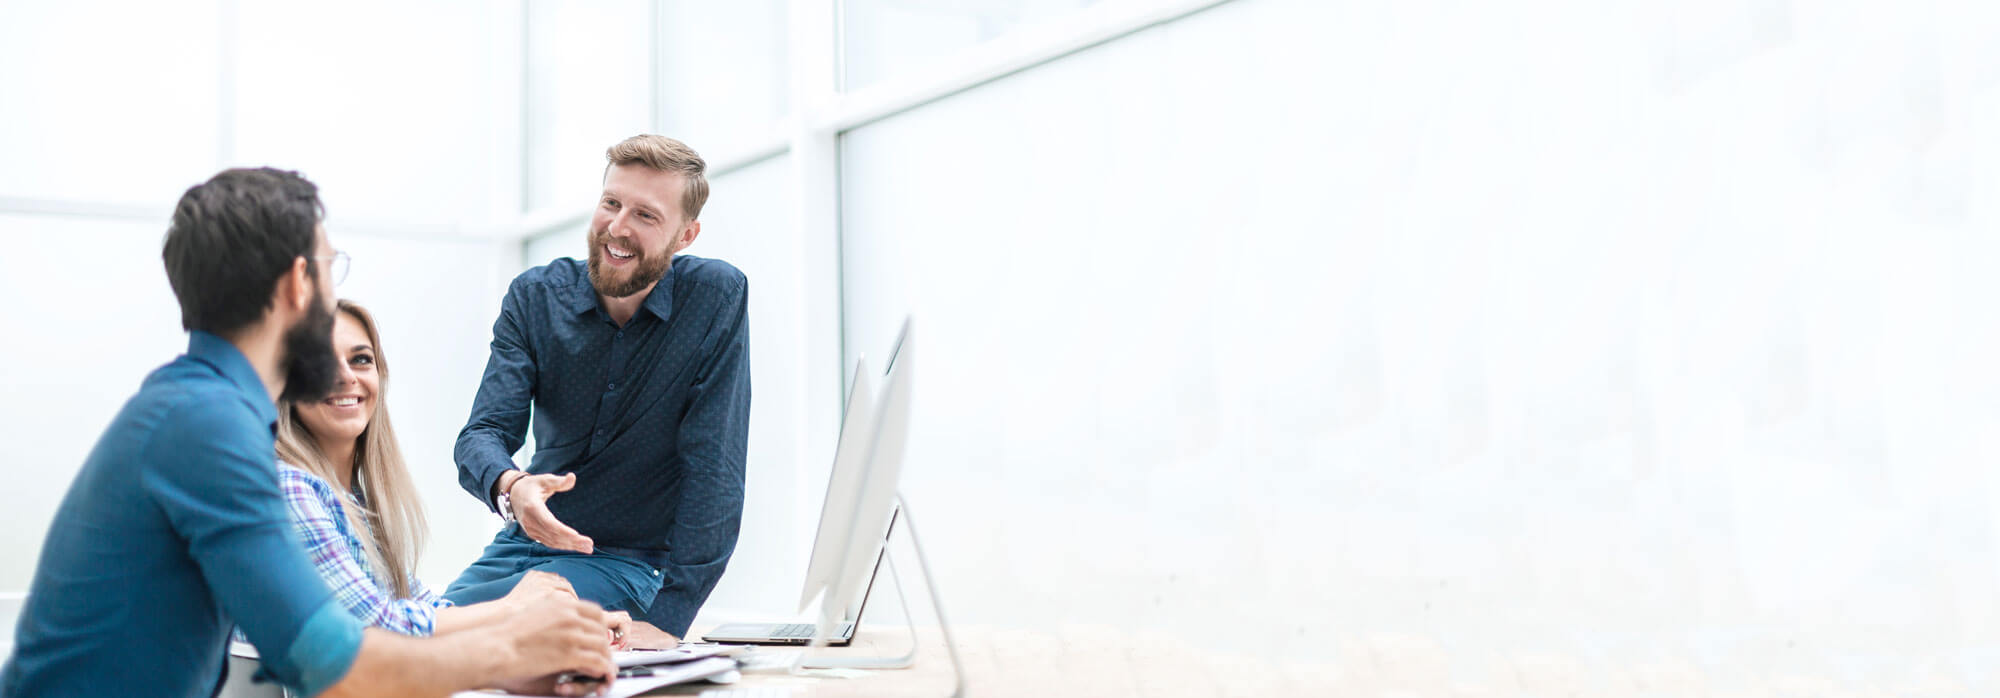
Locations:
{"points": [[905, 660]]}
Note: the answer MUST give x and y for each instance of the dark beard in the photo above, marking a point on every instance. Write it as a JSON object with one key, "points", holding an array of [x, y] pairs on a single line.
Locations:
{"points": [[649, 269], [311, 367]]}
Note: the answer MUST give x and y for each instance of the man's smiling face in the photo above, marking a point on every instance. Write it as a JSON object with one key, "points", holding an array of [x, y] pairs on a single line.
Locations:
{"points": [[637, 229]]}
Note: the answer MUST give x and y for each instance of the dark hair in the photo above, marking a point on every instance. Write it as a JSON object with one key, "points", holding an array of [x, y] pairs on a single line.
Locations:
{"points": [[232, 238]]}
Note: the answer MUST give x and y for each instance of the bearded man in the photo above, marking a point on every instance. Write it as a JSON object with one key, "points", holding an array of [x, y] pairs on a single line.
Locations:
{"points": [[636, 367], [175, 528]]}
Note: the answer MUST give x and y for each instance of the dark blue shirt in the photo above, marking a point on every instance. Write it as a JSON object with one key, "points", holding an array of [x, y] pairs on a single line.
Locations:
{"points": [[653, 417], [173, 531]]}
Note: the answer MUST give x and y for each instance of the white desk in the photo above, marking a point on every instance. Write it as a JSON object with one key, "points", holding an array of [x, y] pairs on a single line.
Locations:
{"points": [[1092, 661]]}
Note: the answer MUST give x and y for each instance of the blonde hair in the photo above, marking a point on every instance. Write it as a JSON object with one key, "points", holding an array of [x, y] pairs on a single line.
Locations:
{"points": [[389, 518], [666, 155]]}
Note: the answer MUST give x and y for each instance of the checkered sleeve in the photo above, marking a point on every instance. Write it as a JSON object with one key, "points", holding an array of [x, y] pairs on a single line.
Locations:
{"points": [[424, 594], [319, 516]]}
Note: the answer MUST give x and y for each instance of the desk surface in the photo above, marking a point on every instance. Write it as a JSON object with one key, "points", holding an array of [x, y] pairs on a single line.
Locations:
{"points": [[1090, 661]]}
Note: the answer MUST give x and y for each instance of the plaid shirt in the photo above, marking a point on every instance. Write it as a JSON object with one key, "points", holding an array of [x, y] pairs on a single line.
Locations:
{"points": [[318, 516]]}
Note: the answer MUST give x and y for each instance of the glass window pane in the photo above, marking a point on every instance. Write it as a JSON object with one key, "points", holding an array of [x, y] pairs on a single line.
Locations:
{"points": [[71, 107], [888, 38], [563, 242], [589, 86], [68, 371], [725, 73], [1081, 320], [398, 110]]}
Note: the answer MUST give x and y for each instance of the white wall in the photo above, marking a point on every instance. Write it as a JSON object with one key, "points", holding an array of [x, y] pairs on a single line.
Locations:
{"points": [[589, 67], [1547, 348], [723, 79], [1568, 348], [83, 330], [412, 165], [63, 126]]}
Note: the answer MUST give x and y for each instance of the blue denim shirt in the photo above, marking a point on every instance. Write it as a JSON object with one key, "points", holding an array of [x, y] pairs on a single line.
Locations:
{"points": [[173, 529], [653, 417]]}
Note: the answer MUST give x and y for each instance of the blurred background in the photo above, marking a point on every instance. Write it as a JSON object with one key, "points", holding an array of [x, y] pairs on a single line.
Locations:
{"points": [[1534, 348]]}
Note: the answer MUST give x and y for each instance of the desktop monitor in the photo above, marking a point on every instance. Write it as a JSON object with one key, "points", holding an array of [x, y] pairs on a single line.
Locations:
{"points": [[857, 434], [857, 515], [857, 429], [872, 494]]}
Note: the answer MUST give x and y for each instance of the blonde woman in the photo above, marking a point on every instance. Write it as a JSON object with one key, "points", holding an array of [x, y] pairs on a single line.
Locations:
{"points": [[352, 501]]}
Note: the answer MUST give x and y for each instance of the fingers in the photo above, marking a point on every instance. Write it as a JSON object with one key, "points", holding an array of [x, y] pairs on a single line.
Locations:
{"points": [[551, 579], [590, 655], [577, 639], [543, 526], [545, 529], [537, 579], [566, 637], [621, 629], [596, 674]]}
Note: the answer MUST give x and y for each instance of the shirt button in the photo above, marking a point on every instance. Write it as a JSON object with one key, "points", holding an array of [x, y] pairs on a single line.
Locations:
{"points": [[620, 335], [611, 386], [600, 431]]}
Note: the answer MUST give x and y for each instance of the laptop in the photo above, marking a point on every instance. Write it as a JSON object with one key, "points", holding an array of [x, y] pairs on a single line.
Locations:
{"points": [[800, 633], [843, 491]]}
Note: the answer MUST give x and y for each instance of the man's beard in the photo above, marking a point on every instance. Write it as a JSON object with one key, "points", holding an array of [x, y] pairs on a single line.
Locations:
{"points": [[647, 269], [311, 368]]}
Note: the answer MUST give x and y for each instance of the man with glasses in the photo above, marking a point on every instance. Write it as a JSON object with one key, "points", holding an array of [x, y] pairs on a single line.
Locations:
{"points": [[336, 265], [175, 528]]}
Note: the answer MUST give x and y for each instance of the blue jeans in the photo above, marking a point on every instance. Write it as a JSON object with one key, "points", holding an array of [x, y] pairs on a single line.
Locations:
{"points": [[616, 582]]}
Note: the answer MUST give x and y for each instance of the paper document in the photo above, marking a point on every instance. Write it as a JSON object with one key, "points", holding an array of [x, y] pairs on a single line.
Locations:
{"points": [[663, 675], [676, 655]]}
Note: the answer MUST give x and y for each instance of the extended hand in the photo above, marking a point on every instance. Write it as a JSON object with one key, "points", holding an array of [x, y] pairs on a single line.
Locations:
{"points": [[530, 495]]}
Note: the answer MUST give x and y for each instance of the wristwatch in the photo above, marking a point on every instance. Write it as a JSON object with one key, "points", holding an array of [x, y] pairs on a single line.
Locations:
{"points": [[505, 503]]}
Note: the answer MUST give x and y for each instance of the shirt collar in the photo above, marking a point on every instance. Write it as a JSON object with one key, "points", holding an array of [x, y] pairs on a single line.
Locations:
{"points": [[660, 302], [229, 361]]}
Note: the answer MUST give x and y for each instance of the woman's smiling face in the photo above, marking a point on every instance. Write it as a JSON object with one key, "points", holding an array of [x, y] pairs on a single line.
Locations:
{"points": [[346, 411]]}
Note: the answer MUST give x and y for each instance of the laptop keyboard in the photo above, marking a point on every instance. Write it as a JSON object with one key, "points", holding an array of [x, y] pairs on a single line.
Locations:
{"points": [[804, 630]]}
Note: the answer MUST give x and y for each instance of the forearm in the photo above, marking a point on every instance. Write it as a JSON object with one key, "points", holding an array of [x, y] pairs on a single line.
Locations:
{"points": [[504, 481], [391, 664], [501, 409], [702, 539], [456, 618], [484, 463]]}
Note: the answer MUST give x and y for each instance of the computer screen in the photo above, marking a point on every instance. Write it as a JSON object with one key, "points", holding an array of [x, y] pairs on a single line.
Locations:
{"points": [[843, 484], [872, 494]]}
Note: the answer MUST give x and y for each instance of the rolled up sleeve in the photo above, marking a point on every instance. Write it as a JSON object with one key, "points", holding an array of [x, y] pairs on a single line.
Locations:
{"points": [[221, 495]]}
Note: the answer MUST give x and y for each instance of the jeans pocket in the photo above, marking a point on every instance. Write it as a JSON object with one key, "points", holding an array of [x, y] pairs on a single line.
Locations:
{"points": [[640, 581]]}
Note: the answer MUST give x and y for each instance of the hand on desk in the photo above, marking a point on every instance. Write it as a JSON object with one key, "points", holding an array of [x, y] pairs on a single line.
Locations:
{"points": [[530, 496], [538, 588], [561, 636], [642, 635], [621, 629]]}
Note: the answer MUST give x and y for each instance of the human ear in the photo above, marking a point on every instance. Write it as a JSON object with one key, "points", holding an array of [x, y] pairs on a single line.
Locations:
{"points": [[688, 235], [299, 283]]}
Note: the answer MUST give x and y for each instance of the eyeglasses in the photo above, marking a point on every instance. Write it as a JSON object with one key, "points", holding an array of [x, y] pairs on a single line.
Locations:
{"points": [[337, 268]]}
